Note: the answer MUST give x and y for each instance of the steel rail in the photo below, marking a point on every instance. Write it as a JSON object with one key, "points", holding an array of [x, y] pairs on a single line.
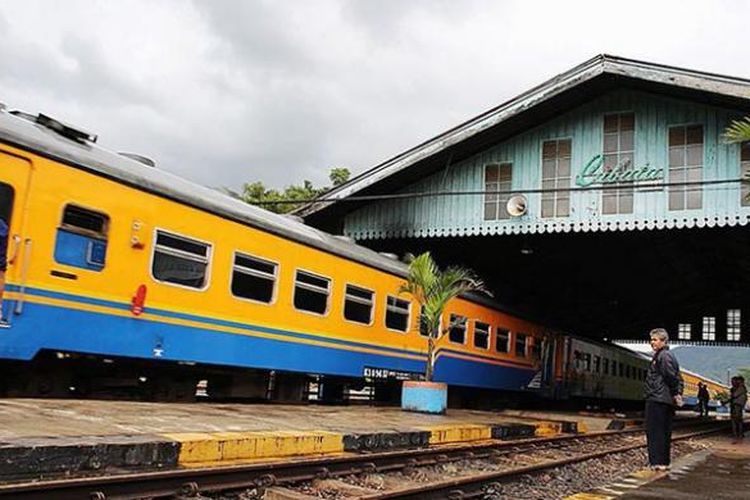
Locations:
{"points": [[188, 481], [478, 485]]}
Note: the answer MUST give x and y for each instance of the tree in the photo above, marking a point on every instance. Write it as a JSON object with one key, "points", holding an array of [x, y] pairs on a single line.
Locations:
{"points": [[433, 289], [339, 175], [738, 131], [292, 196]]}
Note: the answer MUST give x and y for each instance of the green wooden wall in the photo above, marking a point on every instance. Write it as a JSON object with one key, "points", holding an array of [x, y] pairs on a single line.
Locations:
{"points": [[464, 215]]}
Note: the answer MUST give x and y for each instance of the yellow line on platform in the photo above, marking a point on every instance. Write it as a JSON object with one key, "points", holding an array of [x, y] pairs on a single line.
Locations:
{"points": [[547, 429], [440, 434], [228, 446]]}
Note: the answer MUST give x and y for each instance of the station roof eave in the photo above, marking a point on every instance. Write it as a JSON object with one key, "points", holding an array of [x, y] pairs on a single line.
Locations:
{"points": [[535, 106]]}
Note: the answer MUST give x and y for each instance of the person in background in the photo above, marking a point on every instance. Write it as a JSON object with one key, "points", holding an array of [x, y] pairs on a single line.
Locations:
{"points": [[3, 266], [663, 392], [703, 397], [737, 401]]}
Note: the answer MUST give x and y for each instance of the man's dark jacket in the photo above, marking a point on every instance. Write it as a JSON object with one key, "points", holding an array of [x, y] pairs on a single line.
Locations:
{"points": [[663, 379]]}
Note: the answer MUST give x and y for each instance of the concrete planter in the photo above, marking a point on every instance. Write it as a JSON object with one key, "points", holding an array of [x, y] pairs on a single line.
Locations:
{"points": [[424, 397]]}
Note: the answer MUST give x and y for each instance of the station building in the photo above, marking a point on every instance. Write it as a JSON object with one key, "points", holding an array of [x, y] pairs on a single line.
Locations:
{"points": [[604, 201]]}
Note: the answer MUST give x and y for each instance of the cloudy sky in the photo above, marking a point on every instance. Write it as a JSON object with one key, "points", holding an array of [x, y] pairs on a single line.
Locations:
{"points": [[224, 92]]}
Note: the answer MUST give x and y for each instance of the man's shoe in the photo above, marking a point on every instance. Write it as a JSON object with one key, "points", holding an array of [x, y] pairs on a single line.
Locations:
{"points": [[4, 324]]}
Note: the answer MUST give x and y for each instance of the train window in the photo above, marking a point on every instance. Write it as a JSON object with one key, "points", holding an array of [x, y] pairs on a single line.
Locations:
{"points": [[622, 369], [311, 292], [587, 361], [502, 340], [358, 304], [597, 364], [80, 219], [254, 278], [521, 345], [82, 238], [606, 366], [628, 373], [397, 313], [481, 335], [180, 260], [457, 329]]}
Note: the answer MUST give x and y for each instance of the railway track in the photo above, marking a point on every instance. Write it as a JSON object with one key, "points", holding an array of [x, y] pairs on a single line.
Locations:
{"points": [[483, 467]]}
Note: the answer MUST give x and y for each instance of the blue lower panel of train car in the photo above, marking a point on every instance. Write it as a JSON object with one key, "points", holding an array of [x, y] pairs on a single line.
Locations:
{"points": [[52, 327], [456, 371]]}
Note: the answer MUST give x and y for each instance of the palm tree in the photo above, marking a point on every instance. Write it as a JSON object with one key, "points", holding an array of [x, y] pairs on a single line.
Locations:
{"points": [[738, 131], [432, 289]]}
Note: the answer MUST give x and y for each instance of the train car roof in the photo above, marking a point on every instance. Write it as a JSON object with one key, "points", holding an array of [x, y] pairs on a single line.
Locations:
{"points": [[56, 140]]}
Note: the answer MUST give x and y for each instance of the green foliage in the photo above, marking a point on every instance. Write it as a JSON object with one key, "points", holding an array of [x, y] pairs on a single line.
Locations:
{"points": [[256, 193], [738, 131], [339, 175], [433, 289]]}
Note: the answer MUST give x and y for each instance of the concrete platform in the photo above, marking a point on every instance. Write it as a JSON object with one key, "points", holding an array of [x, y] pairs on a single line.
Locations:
{"points": [[42, 437]]}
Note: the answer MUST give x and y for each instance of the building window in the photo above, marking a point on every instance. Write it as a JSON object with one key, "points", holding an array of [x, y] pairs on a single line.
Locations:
{"points": [[481, 335], [497, 186], [253, 278], [180, 260], [457, 330], [733, 325], [82, 238], [683, 331], [311, 292], [521, 345], [709, 328], [556, 175], [358, 304], [619, 146], [745, 173], [397, 313], [502, 340], [685, 165]]}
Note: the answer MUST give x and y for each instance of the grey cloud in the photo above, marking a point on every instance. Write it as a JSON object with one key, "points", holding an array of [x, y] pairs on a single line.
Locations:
{"points": [[257, 33], [93, 79]]}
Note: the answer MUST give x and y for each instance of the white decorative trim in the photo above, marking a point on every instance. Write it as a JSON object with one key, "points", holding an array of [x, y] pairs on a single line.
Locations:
{"points": [[541, 227]]}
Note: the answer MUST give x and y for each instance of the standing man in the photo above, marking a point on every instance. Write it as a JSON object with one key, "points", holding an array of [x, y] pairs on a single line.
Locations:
{"points": [[703, 398], [663, 392]]}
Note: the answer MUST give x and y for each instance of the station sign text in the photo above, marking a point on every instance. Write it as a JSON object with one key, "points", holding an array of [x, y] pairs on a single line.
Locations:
{"points": [[593, 173]]}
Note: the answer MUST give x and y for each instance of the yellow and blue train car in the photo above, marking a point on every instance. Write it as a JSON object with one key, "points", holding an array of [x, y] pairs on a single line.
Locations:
{"points": [[120, 272]]}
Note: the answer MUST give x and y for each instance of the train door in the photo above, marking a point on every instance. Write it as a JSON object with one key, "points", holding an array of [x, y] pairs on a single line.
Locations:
{"points": [[15, 178], [549, 348]]}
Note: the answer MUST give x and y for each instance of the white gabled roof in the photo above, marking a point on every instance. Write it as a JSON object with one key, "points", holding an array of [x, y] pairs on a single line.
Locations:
{"points": [[602, 65]]}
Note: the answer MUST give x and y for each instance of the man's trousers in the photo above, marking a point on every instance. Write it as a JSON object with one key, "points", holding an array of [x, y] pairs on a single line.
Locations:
{"points": [[659, 432]]}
